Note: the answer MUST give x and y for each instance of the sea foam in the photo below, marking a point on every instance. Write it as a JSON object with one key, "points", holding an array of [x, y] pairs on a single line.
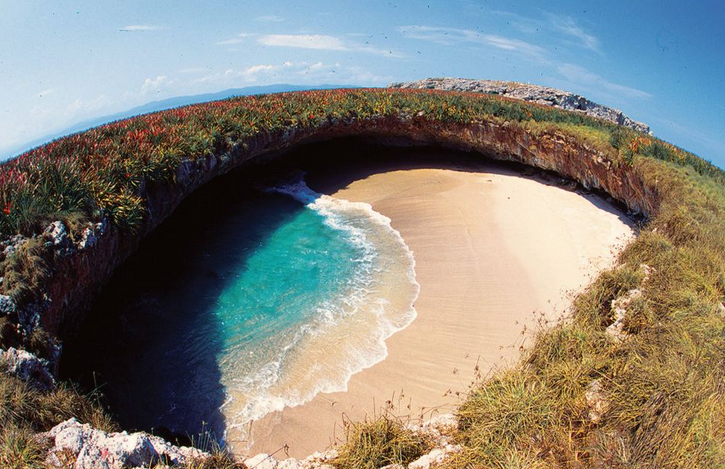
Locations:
{"points": [[345, 334]]}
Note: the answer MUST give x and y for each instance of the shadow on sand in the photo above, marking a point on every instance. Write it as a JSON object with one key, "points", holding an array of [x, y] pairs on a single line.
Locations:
{"points": [[152, 340]]}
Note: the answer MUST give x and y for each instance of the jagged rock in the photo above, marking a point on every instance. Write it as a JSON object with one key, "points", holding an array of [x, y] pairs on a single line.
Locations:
{"points": [[261, 461], [13, 244], [290, 463], [619, 309], [437, 430], [538, 94], [57, 233], [93, 448], [91, 234], [7, 305], [439, 423], [28, 367], [320, 460], [427, 460], [596, 401], [59, 238]]}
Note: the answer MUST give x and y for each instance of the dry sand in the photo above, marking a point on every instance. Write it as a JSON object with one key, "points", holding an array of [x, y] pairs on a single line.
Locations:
{"points": [[494, 251]]}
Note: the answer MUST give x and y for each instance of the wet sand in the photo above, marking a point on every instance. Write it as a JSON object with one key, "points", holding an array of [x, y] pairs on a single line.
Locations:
{"points": [[496, 253]]}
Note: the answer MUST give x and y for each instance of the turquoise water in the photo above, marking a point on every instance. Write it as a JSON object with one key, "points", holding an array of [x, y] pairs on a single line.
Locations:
{"points": [[259, 303]]}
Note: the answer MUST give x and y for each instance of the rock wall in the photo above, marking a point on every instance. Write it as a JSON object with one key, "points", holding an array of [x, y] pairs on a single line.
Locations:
{"points": [[526, 92]]}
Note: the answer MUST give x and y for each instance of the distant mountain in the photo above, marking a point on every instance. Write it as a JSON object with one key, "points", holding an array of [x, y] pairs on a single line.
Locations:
{"points": [[161, 105]]}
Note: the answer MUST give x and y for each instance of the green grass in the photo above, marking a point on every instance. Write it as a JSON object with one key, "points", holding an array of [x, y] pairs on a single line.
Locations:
{"points": [[663, 384]]}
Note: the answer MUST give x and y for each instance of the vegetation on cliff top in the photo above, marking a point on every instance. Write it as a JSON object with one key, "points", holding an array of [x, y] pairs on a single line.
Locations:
{"points": [[660, 387], [100, 172]]}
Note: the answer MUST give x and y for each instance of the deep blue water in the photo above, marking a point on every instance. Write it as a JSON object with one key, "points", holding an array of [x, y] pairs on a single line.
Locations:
{"points": [[242, 303]]}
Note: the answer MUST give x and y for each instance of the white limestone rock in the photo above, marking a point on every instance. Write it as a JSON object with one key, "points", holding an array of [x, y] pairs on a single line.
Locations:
{"points": [[7, 305], [290, 463], [261, 461], [93, 448], [28, 367], [527, 92], [427, 460], [58, 238], [596, 401], [619, 309]]}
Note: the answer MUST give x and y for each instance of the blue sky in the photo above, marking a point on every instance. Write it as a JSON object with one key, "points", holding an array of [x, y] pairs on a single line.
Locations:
{"points": [[661, 62]]}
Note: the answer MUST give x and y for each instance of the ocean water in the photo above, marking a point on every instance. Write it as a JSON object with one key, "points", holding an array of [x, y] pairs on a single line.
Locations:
{"points": [[260, 304]]}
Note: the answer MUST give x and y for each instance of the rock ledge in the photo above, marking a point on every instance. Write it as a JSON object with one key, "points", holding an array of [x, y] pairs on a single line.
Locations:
{"points": [[526, 92]]}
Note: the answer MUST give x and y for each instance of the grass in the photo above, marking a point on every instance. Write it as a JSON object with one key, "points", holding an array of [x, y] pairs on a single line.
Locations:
{"points": [[662, 384], [20, 450], [25, 411], [379, 442]]}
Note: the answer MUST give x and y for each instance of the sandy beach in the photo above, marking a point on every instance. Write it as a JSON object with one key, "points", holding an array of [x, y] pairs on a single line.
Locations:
{"points": [[495, 252]]}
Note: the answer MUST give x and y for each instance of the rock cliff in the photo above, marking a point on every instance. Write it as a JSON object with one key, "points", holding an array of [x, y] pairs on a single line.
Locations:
{"points": [[527, 92]]}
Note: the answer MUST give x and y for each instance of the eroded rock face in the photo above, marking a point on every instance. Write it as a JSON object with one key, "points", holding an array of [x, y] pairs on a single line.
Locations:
{"points": [[526, 92], [85, 447]]}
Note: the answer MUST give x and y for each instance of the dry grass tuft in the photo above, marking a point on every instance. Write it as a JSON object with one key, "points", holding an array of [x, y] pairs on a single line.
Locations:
{"points": [[380, 442]]}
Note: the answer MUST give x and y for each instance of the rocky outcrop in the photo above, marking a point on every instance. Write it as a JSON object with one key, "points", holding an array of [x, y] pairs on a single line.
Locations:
{"points": [[26, 366], [437, 430], [80, 446], [527, 92]]}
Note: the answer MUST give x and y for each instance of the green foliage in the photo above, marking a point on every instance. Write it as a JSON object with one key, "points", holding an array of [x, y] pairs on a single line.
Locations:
{"points": [[102, 171]]}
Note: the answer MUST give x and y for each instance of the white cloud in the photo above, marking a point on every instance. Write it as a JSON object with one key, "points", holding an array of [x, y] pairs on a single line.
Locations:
{"points": [[270, 18], [569, 27], [292, 72], [593, 82], [259, 68], [565, 27], [155, 85], [238, 39], [141, 27], [454, 36], [304, 41], [322, 42]]}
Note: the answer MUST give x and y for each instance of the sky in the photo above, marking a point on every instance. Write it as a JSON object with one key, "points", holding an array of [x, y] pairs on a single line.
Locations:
{"points": [[64, 62]]}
